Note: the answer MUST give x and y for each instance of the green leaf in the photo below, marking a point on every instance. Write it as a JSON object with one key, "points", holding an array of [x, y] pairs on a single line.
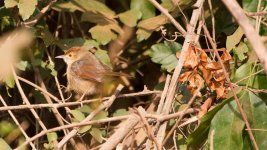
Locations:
{"points": [[77, 115], [52, 136], [234, 39], [22, 65], [241, 50], [256, 111], [11, 3], [130, 17], [47, 37], [10, 82], [26, 8], [98, 18], [5, 128], [84, 6], [68, 43], [196, 138], [101, 115], [145, 7], [228, 127], [120, 112], [102, 55], [85, 109], [251, 5], [51, 67], [97, 134], [147, 26], [4, 145], [84, 129], [104, 34], [164, 54]]}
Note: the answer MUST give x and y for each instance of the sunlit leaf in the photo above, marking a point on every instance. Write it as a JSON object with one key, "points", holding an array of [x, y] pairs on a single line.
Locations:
{"points": [[145, 7], [26, 8], [11, 3], [84, 129], [10, 82], [147, 26], [120, 112], [101, 115], [22, 65], [97, 134], [6, 127], [241, 50], [4, 145], [102, 55], [77, 115], [130, 17], [52, 136], [104, 34], [234, 39]]}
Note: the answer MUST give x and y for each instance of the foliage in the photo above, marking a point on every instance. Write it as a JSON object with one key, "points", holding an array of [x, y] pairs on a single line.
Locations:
{"points": [[132, 37]]}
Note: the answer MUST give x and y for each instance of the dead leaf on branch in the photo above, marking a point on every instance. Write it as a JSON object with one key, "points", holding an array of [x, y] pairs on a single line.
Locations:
{"points": [[199, 67]]}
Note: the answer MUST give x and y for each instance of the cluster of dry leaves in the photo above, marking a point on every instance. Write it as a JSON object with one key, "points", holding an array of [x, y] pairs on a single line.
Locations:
{"points": [[199, 67]]}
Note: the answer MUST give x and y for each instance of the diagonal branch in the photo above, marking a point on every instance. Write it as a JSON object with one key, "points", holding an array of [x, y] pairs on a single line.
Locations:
{"points": [[214, 46], [189, 38], [169, 16], [252, 36], [101, 107]]}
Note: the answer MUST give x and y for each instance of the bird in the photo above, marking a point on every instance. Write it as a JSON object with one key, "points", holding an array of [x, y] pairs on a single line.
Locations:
{"points": [[86, 74]]}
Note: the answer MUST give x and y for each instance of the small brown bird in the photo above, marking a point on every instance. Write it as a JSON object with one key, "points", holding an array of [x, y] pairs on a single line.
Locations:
{"points": [[85, 72]]}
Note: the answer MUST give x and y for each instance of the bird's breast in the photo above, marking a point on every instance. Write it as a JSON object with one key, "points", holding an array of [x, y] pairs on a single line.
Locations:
{"points": [[81, 86]]}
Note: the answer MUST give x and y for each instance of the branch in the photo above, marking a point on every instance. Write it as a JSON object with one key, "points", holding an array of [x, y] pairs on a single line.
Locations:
{"points": [[252, 36], [100, 121], [67, 104], [169, 16], [101, 107], [17, 123], [189, 38], [35, 19], [214, 46]]}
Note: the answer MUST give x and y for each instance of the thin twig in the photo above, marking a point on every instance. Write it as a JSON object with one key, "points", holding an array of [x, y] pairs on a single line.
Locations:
{"points": [[214, 46], [35, 19], [252, 36], [44, 132], [256, 13], [101, 107], [17, 123], [25, 99], [182, 115], [166, 13], [67, 104], [189, 38], [212, 19]]}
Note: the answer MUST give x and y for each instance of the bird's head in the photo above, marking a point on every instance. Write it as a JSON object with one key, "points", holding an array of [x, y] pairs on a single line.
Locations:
{"points": [[73, 54]]}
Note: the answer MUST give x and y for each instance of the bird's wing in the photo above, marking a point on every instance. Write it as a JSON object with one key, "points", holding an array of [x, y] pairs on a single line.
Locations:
{"points": [[87, 70], [92, 70]]}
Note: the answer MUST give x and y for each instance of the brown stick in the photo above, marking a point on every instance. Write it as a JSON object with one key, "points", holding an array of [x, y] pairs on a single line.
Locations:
{"points": [[189, 38], [214, 46], [253, 37], [101, 107], [165, 12]]}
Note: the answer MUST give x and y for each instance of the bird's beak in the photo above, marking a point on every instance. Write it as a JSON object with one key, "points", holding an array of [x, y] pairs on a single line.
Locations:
{"points": [[60, 56]]}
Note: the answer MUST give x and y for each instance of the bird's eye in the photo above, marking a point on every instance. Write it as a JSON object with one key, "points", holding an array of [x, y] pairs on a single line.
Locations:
{"points": [[70, 55]]}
